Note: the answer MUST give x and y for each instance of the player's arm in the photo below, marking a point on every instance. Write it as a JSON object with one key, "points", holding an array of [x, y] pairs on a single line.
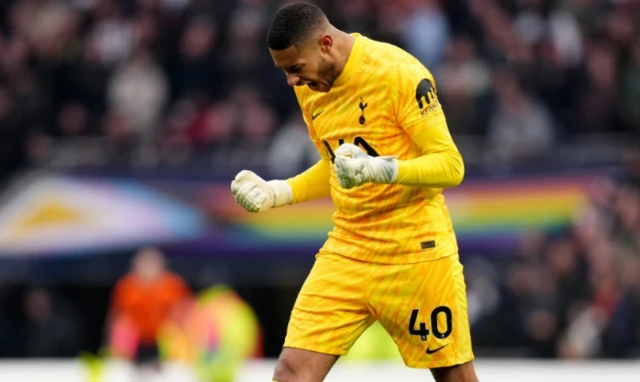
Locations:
{"points": [[420, 114], [255, 194], [118, 297], [314, 182], [118, 303], [441, 165], [311, 184]]}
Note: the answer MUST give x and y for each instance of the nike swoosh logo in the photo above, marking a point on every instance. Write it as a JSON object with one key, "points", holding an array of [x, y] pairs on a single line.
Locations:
{"points": [[316, 116], [429, 351]]}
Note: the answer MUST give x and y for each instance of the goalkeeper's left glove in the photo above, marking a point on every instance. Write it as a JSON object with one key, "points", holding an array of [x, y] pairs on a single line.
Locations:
{"points": [[354, 167]]}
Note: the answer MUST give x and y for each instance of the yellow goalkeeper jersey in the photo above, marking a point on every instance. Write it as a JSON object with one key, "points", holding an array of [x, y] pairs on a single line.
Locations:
{"points": [[385, 101]]}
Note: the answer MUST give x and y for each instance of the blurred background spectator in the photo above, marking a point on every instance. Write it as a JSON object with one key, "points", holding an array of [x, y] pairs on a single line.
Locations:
{"points": [[53, 328], [143, 300]]}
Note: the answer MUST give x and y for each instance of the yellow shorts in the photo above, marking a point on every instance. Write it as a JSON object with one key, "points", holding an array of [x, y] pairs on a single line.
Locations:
{"points": [[422, 306]]}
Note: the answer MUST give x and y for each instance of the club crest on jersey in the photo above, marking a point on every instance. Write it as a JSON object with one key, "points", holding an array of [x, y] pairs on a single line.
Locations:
{"points": [[363, 106], [426, 97]]}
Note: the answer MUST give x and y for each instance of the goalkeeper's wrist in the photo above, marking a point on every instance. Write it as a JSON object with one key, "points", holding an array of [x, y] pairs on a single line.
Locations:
{"points": [[387, 171], [283, 194]]}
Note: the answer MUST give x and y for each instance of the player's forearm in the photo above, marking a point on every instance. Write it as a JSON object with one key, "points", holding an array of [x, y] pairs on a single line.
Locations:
{"points": [[441, 170], [311, 184], [441, 164]]}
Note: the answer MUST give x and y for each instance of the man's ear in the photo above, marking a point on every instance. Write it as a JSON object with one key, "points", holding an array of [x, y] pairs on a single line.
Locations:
{"points": [[326, 42]]}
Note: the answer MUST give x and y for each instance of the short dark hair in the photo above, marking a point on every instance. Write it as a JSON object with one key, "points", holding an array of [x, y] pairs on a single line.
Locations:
{"points": [[293, 24]]}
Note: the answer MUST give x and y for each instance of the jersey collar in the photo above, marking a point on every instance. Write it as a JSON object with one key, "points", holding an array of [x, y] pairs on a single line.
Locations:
{"points": [[352, 62]]}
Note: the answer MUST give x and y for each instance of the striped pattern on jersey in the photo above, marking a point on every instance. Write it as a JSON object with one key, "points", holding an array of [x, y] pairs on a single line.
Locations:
{"points": [[383, 97]]}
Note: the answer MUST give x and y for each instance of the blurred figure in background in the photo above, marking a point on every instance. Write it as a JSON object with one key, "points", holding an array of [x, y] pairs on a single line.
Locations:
{"points": [[521, 128], [145, 298], [138, 91], [52, 327], [464, 80]]}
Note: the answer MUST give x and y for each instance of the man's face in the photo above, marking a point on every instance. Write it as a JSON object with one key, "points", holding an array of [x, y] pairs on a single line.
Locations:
{"points": [[311, 65], [148, 264]]}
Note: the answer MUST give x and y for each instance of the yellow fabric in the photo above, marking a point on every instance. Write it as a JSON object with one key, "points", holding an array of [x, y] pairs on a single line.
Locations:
{"points": [[379, 103], [440, 165], [311, 184], [342, 297]]}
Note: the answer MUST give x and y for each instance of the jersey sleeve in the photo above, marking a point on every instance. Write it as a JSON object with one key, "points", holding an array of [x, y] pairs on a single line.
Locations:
{"points": [[419, 113], [416, 101], [314, 182]]}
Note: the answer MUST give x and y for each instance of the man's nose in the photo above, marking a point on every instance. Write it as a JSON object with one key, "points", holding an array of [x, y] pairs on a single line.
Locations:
{"points": [[292, 79]]}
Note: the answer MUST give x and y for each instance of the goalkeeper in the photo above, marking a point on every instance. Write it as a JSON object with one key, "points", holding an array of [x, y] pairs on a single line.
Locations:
{"points": [[372, 111]]}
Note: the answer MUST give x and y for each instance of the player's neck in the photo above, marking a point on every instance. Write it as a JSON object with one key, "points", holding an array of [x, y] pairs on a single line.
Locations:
{"points": [[344, 42]]}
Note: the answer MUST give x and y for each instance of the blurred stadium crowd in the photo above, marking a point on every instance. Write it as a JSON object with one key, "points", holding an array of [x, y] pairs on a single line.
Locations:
{"points": [[174, 83], [168, 82], [572, 294]]}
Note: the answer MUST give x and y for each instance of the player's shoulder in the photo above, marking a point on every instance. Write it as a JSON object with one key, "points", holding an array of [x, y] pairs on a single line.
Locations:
{"points": [[392, 62], [125, 282], [386, 53], [174, 280]]}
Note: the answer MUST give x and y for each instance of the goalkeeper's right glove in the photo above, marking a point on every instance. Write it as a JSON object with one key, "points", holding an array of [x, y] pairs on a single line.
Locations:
{"points": [[255, 194]]}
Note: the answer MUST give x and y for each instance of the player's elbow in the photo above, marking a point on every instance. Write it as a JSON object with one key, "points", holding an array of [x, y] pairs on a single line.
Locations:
{"points": [[456, 169]]}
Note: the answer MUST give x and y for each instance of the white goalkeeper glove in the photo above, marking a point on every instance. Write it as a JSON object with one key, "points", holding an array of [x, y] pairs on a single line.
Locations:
{"points": [[255, 194], [354, 167]]}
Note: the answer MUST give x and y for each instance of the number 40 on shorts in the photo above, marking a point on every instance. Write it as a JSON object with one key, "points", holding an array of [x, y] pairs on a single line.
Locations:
{"points": [[422, 330]]}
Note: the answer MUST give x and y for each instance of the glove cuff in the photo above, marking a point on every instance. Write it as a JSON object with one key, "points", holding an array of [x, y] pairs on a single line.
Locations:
{"points": [[387, 171], [394, 175], [283, 194]]}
